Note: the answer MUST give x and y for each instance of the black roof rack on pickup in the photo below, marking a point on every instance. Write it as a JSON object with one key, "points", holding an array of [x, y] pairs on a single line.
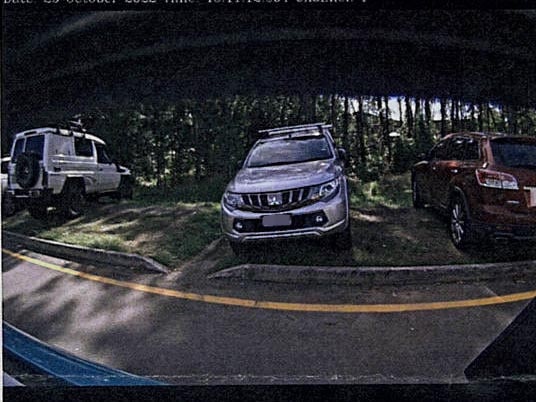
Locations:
{"points": [[292, 129]]}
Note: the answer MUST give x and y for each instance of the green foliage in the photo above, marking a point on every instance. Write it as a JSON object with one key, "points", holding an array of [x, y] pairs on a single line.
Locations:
{"points": [[195, 141], [405, 155], [390, 191]]}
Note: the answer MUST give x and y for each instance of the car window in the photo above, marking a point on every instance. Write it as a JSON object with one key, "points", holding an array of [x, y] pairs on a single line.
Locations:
{"points": [[456, 151], [5, 166], [35, 145], [514, 152], [83, 147], [472, 150], [287, 151], [17, 149], [102, 155], [440, 151]]}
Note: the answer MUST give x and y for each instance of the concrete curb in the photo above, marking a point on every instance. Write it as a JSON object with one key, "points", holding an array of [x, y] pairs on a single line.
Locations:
{"points": [[80, 253], [376, 275]]}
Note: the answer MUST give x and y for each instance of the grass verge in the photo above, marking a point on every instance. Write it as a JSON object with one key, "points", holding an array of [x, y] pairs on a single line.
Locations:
{"points": [[171, 233], [387, 231]]}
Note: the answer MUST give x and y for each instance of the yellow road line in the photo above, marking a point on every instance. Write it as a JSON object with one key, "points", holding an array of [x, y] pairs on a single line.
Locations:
{"points": [[271, 305]]}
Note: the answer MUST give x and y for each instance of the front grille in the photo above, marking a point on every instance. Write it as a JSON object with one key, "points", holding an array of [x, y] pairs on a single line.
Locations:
{"points": [[277, 201]]}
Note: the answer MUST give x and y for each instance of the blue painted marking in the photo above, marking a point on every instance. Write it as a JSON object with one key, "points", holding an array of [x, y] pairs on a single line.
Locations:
{"points": [[63, 365]]}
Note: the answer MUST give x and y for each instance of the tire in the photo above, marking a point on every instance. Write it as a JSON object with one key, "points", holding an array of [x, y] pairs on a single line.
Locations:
{"points": [[39, 212], [416, 195], [8, 205], [238, 248], [27, 170], [73, 201], [126, 191], [459, 223], [343, 240]]}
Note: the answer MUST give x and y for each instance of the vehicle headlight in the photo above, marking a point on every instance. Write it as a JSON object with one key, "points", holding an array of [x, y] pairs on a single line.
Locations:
{"points": [[232, 200], [325, 190]]}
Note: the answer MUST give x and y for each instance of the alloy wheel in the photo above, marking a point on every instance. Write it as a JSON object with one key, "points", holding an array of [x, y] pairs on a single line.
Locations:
{"points": [[458, 221]]}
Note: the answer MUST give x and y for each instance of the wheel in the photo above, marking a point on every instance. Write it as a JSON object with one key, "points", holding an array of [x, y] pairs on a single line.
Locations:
{"points": [[416, 195], [73, 201], [460, 225], [38, 211], [238, 248], [126, 190], [27, 170], [343, 240], [8, 205]]}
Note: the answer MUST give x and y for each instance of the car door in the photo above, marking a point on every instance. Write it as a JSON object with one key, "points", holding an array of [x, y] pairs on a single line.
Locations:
{"points": [[107, 175], [83, 162], [435, 171], [448, 168]]}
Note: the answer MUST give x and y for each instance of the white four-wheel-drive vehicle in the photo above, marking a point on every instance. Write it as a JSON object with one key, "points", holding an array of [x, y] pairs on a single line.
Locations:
{"points": [[63, 168], [9, 206]]}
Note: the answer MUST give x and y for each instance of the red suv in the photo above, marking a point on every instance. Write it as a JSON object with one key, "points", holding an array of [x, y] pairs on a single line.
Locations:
{"points": [[486, 182]]}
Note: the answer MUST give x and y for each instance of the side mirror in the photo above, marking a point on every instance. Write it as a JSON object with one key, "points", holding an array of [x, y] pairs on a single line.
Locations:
{"points": [[240, 163], [119, 168], [342, 154]]}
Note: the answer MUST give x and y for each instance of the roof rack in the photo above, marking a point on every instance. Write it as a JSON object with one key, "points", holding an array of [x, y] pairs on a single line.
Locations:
{"points": [[69, 126], [292, 129]]}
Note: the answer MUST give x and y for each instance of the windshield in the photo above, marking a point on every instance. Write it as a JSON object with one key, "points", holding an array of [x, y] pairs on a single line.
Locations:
{"points": [[288, 151], [514, 152]]}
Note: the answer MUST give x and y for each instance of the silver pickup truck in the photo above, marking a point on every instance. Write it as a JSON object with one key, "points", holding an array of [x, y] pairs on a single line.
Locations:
{"points": [[292, 184]]}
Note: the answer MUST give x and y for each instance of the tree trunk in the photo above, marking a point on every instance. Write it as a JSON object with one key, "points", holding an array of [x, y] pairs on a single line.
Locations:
{"points": [[417, 112], [458, 119], [409, 117], [361, 132], [387, 130], [400, 117], [382, 126], [346, 124], [472, 116], [198, 144], [428, 113], [481, 117], [157, 135], [491, 119], [453, 126], [443, 107], [333, 113]]}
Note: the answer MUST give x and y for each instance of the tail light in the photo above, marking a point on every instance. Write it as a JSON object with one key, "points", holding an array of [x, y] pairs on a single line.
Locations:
{"points": [[494, 179]]}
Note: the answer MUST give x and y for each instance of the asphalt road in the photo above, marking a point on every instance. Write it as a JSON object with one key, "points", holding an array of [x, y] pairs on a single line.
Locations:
{"points": [[182, 341]]}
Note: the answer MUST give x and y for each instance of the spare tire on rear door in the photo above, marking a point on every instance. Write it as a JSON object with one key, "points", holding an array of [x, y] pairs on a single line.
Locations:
{"points": [[27, 170]]}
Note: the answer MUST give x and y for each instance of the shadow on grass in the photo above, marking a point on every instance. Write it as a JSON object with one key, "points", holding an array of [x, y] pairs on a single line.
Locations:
{"points": [[171, 234], [386, 231], [384, 236]]}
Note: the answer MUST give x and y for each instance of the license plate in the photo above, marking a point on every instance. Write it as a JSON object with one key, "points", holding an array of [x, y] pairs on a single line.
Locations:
{"points": [[276, 220]]}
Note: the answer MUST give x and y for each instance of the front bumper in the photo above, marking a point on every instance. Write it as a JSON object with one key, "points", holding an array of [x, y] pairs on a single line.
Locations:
{"points": [[304, 221]]}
